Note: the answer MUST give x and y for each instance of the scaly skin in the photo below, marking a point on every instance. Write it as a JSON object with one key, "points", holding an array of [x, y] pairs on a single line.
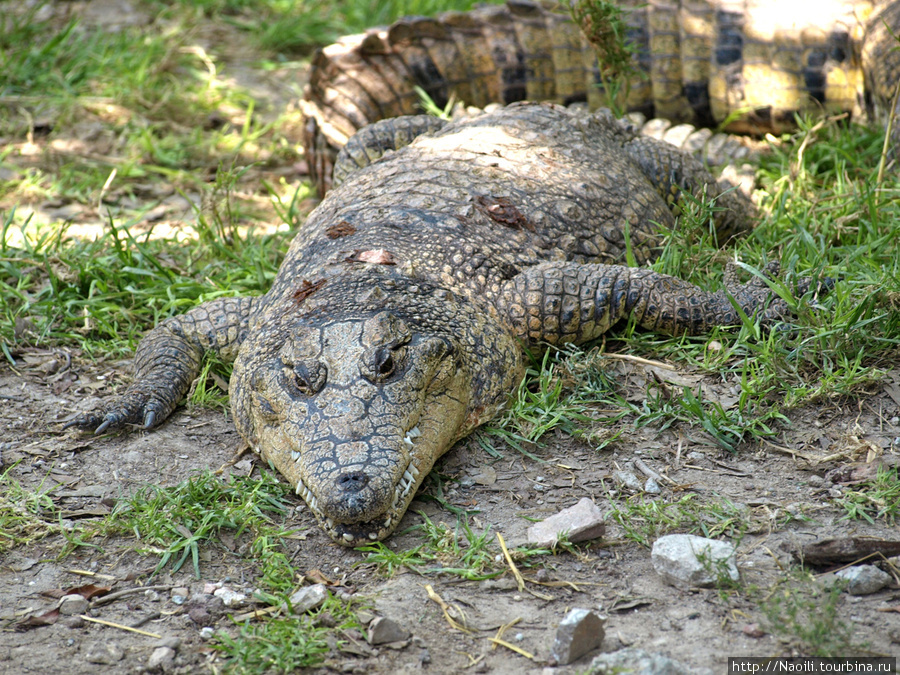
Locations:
{"points": [[754, 64], [397, 321]]}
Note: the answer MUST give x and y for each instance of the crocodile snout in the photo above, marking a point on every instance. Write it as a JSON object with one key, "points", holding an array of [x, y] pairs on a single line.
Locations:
{"points": [[352, 481]]}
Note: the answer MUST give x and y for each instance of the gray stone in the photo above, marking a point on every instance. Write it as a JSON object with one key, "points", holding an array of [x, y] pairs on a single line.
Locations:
{"points": [[688, 561], [105, 653], [383, 630], [73, 604], [308, 598], [579, 523], [637, 662], [628, 479], [581, 631], [162, 658], [864, 579], [170, 641]]}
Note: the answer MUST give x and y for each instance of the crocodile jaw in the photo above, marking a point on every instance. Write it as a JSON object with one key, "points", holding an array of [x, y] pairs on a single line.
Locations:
{"points": [[365, 532]]}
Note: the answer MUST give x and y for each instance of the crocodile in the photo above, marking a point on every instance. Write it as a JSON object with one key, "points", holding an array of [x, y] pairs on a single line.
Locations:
{"points": [[749, 65], [399, 319]]}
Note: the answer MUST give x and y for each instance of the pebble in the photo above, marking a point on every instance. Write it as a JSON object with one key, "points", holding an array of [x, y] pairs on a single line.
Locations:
{"points": [[652, 487], [162, 658], [579, 523], [231, 598], [207, 633], [73, 604], [815, 480], [628, 479], [638, 662], [864, 579], [753, 630], [580, 632], [383, 630], [105, 653], [675, 559], [895, 421], [170, 641], [308, 598]]}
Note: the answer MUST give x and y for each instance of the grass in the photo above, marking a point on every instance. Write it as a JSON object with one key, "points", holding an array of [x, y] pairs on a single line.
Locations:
{"points": [[26, 515], [878, 498], [810, 616]]}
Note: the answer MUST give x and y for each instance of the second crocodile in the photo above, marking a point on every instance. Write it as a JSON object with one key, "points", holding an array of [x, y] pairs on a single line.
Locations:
{"points": [[397, 322]]}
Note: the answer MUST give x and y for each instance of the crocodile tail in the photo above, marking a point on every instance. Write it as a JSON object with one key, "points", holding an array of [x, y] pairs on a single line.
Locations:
{"points": [[500, 53]]}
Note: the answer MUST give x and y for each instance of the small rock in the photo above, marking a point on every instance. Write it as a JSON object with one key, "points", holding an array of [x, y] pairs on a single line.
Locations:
{"points": [[628, 479], [151, 595], [162, 658], [230, 598], [579, 523], [753, 630], [73, 604], [652, 487], [170, 641], [105, 653], [183, 591], [580, 632], [815, 480], [308, 598], [383, 630], [207, 633], [638, 662], [864, 579], [73, 622], [364, 617], [677, 559]]}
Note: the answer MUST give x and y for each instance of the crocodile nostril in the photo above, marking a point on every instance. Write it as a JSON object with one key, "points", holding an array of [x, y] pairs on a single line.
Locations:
{"points": [[352, 481]]}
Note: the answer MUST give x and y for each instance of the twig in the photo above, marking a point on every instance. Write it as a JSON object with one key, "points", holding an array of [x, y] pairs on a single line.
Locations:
{"points": [[509, 561], [638, 359], [112, 597], [121, 626], [650, 473], [517, 650]]}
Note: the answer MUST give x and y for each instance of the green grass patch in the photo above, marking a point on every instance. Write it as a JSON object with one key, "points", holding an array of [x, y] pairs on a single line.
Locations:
{"points": [[810, 616], [176, 522], [643, 520], [879, 498], [25, 515], [459, 551]]}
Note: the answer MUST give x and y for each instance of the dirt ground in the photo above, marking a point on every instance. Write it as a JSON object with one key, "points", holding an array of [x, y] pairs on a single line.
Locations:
{"points": [[790, 499], [698, 628]]}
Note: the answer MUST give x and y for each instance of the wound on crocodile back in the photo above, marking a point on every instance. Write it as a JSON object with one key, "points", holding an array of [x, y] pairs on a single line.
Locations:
{"points": [[501, 210], [342, 229], [307, 288]]}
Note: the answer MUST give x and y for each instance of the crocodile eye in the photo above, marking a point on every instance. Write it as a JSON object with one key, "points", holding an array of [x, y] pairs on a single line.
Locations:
{"points": [[379, 364], [305, 378], [384, 362]]}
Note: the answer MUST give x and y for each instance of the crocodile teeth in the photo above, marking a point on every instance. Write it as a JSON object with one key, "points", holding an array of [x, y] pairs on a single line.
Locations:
{"points": [[411, 434]]}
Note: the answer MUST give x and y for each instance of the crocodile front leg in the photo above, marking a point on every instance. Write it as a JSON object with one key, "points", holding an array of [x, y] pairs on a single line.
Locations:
{"points": [[573, 303], [168, 359]]}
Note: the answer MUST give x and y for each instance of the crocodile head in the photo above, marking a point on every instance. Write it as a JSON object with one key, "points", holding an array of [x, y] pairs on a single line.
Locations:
{"points": [[354, 409]]}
